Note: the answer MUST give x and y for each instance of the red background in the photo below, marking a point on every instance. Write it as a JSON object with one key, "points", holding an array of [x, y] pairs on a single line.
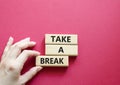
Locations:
{"points": [[97, 23]]}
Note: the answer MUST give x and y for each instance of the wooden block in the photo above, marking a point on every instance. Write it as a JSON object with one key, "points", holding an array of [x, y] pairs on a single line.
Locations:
{"points": [[61, 39], [52, 61], [67, 50]]}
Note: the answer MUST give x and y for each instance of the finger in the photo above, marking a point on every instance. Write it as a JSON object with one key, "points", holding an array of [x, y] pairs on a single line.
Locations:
{"points": [[7, 47], [25, 45], [9, 43], [12, 51], [23, 40], [21, 59], [30, 74], [16, 49]]}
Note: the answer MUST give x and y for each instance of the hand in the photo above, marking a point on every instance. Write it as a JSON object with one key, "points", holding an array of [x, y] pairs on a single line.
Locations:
{"points": [[12, 61]]}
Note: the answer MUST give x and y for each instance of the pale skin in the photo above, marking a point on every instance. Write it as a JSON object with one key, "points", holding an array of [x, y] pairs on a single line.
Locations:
{"points": [[12, 61]]}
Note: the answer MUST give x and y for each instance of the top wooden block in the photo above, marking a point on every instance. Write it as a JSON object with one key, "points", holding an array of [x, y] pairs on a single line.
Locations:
{"points": [[55, 39]]}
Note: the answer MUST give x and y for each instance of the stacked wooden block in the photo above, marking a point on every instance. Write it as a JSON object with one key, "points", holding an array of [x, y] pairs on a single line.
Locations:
{"points": [[58, 48]]}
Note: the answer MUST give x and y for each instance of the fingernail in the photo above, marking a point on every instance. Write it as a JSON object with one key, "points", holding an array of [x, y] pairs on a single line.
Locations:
{"points": [[39, 68], [28, 38], [10, 38], [39, 53], [33, 42]]}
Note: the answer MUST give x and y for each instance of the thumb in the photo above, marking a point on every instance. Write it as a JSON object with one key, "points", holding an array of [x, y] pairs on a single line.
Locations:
{"points": [[30, 74]]}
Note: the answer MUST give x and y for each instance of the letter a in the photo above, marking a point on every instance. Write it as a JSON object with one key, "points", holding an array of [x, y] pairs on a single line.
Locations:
{"points": [[60, 50]]}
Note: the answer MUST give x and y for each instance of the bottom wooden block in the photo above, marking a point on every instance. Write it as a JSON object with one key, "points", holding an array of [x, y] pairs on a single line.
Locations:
{"points": [[52, 61]]}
